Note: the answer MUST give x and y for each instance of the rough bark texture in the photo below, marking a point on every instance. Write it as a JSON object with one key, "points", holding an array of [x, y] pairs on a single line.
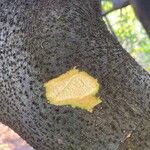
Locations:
{"points": [[42, 39]]}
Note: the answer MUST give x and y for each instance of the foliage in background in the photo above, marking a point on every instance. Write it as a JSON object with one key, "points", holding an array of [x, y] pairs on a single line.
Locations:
{"points": [[129, 31]]}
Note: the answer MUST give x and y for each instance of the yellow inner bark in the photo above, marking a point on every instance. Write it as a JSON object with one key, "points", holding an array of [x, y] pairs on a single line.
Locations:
{"points": [[75, 88]]}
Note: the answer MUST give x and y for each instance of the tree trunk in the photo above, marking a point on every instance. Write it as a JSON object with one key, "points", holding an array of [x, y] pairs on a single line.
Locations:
{"points": [[45, 38]]}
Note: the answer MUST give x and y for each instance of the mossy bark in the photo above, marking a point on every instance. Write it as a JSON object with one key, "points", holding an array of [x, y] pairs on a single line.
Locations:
{"points": [[45, 38]]}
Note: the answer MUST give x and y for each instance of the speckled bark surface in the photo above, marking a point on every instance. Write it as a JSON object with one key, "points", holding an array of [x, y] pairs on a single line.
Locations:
{"points": [[45, 38]]}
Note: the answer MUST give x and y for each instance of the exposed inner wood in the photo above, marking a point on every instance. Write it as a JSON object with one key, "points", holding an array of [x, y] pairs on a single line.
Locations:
{"points": [[75, 88]]}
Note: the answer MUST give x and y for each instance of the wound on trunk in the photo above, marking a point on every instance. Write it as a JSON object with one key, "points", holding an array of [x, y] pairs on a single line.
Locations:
{"points": [[75, 88]]}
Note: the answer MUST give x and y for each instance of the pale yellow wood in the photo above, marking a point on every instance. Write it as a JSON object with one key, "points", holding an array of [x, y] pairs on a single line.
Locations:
{"points": [[75, 88]]}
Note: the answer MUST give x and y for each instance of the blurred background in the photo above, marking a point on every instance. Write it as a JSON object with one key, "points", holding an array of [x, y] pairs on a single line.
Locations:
{"points": [[124, 21], [130, 24]]}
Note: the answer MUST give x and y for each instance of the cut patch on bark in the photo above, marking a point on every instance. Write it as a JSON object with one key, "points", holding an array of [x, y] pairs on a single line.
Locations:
{"points": [[75, 88]]}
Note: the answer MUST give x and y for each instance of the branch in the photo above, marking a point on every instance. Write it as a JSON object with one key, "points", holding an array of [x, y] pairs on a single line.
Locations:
{"points": [[116, 6], [110, 27], [141, 9]]}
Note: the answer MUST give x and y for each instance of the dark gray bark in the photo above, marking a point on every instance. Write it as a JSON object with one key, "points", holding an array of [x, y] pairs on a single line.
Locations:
{"points": [[42, 39]]}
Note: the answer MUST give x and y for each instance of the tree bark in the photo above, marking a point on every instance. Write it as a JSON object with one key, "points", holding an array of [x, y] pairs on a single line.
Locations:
{"points": [[45, 38]]}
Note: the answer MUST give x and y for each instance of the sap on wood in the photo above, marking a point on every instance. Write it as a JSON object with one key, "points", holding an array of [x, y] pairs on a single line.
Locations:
{"points": [[75, 88]]}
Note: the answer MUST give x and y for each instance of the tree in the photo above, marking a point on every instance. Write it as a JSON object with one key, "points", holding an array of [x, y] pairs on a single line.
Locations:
{"points": [[45, 38], [141, 9], [117, 4], [124, 25]]}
